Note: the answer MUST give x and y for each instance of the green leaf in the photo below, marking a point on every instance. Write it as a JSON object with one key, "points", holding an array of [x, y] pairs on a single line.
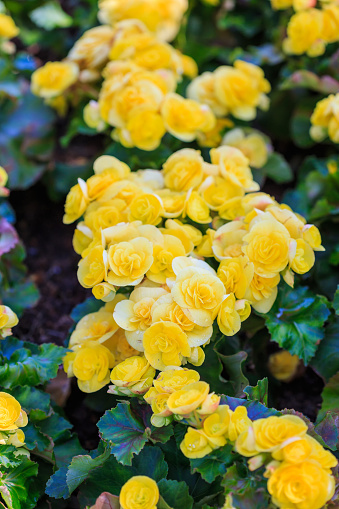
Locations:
{"points": [[330, 395], [300, 124], [175, 494], [125, 431], [296, 321], [255, 410], [151, 462], [56, 486], [80, 468], [327, 429], [15, 485], [326, 361], [24, 363], [90, 305], [214, 464], [20, 296], [50, 16], [259, 392], [7, 458], [127, 427], [66, 450], [233, 366], [277, 169]]}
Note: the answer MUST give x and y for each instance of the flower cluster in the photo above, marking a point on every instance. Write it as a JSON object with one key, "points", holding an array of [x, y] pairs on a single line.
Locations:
{"points": [[151, 230], [12, 418], [163, 18], [325, 119], [298, 468], [309, 31]]}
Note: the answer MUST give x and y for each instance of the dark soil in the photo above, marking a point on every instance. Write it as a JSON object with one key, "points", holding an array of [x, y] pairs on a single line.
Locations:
{"points": [[52, 264]]}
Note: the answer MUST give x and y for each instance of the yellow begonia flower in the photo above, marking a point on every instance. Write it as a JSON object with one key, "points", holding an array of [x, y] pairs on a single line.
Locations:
{"points": [[283, 365], [165, 345], [146, 208], [239, 422], [234, 165], [304, 33], [173, 380], [199, 293], [267, 245], [210, 405], [144, 130], [8, 319], [228, 240], [92, 49], [163, 255], [129, 261], [188, 234], [185, 118], [104, 292], [54, 78], [76, 202], [11, 415], [135, 315], [213, 138], [196, 444], [92, 118], [301, 256], [236, 274], [285, 216], [273, 431], [204, 249], [262, 292], [184, 170], [92, 268], [188, 399], [99, 326], [216, 425], [218, 191], [173, 202], [8, 28], [90, 362], [302, 486], [253, 145], [229, 321], [312, 236], [243, 308], [140, 492], [330, 23], [134, 373], [201, 89], [197, 209]]}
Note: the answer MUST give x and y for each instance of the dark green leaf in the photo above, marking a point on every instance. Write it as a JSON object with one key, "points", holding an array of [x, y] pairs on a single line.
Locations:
{"points": [[277, 169], [15, 485], [80, 468], [233, 366], [214, 464], [326, 361], [259, 392], [175, 494]]}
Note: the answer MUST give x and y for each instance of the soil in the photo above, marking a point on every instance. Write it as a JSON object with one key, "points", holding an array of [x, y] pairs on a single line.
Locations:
{"points": [[52, 264]]}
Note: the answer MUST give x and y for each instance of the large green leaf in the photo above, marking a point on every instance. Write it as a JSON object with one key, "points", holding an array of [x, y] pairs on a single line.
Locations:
{"points": [[175, 494], [214, 464], [81, 466], [24, 363], [326, 361], [296, 321], [233, 366], [15, 485], [278, 169], [128, 429]]}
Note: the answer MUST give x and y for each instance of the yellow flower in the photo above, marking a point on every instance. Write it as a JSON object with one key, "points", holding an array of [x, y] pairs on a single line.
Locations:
{"points": [[234, 166], [219, 191], [76, 202], [99, 326], [8, 28], [213, 138], [281, 4], [17, 438], [188, 234], [184, 118], [173, 202], [216, 425], [188, 399], [146, 208], [262, 292], [163, 255], [202, 90], [241, 89], [134, 373], [283, 365], [92, 116], [165, 345], [129, 261], [306, 448], [236, 274], [304, 32], [267, 245], [273, 431], [92, 49], [54, 78], [91, 270], [228, 318], [239, 423], [140, 492], [210, 405], [253, 145], [199, 293], [104, 292], [11, 415], [204, 249], [243, 308], [90, 362], [173, 380], [161, 17], [302, 486], [189, 67], [8, 319], [144, 130], [196, 444], [301, 257], [197, 209], [135, 315], [311, 235], [330, 23], [184, 170]]}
